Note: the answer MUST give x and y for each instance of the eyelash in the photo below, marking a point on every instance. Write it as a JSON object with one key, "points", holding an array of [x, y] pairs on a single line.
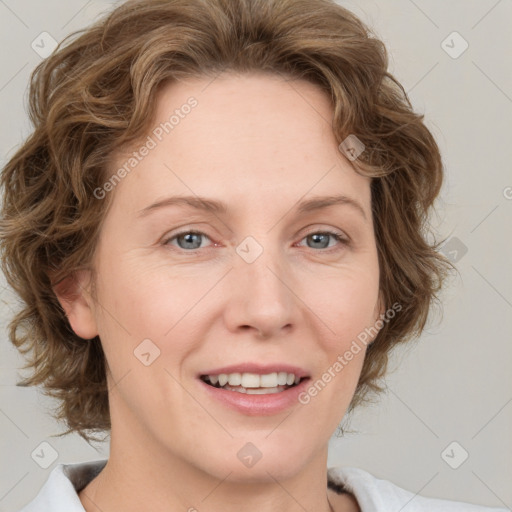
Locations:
{"points": [[339, 237]]}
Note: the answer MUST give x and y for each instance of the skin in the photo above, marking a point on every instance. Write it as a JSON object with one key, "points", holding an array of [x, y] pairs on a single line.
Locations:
{"points": [[260, 144]]}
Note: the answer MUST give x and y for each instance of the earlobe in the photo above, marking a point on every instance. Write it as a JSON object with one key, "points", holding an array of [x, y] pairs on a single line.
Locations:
{"points": [[73, 293]]}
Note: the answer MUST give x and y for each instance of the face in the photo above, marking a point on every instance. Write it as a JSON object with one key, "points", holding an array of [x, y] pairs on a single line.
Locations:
{"points": [[268, 282]]}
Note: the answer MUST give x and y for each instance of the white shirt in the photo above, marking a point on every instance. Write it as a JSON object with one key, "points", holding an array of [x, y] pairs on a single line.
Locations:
{"points": [[60, 492]]}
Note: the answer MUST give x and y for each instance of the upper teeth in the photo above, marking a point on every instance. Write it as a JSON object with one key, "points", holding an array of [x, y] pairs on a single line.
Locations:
{"points": [[253, 380]]}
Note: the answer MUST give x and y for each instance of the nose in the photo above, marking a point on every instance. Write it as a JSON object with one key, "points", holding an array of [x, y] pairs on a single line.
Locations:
{"points": [[261, 296]]}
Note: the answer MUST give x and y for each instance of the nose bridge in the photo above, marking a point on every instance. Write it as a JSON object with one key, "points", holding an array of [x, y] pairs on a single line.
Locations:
{"points": [[263, 299]]}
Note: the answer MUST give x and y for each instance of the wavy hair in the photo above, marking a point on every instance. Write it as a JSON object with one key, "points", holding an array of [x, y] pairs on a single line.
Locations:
{"points": [[97, 91]]}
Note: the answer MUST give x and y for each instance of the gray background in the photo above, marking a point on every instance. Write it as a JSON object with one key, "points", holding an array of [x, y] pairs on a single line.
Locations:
{"points": [[454, 384]]}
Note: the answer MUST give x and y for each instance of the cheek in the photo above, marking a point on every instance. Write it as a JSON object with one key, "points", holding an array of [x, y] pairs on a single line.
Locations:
{"points": [[346, 303], [148, 303], [144, 299], [150, 299]]}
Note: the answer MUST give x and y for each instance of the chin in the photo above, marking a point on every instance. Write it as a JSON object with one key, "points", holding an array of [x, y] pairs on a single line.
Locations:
{"points": [[259, 461]]}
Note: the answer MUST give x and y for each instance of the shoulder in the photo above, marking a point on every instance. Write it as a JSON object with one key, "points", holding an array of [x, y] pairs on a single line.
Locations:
{"points": [[378, 495], [60, 491]]}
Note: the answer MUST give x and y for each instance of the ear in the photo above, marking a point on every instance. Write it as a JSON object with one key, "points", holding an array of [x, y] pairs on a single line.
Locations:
{"points": [[73, 293]]}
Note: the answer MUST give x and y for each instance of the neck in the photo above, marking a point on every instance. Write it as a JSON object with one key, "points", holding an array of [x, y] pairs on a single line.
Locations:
{"points": [[146, 472], [138, 479]]}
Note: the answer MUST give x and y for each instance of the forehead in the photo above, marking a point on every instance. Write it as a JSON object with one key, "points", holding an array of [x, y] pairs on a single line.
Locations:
{"points": [[236, 136]]}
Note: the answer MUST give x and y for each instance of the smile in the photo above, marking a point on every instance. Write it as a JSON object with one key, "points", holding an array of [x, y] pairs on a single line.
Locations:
{"points": [[253, 383]]}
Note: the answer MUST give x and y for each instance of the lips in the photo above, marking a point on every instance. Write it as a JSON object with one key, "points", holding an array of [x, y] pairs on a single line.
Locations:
{"points": [[255, 389], [255, 401]]}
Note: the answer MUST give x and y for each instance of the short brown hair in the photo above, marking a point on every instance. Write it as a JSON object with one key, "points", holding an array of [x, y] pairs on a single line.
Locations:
{"points": [[97, 91]]}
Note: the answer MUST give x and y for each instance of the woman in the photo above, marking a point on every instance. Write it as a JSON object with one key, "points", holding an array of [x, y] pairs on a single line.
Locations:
{"points": [[217, 230]]}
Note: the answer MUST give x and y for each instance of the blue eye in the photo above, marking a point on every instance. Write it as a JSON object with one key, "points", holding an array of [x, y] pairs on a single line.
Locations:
{"points": [[190, 241], [322, 237]]}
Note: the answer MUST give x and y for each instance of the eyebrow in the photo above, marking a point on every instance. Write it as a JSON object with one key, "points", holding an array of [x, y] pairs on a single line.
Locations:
{"points": [[219, 207]]}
